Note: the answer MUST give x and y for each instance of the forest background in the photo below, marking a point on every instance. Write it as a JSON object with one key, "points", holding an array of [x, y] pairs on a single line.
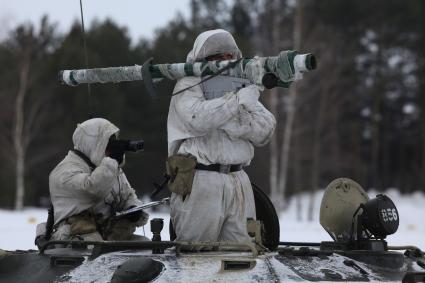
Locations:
{"points": [[360, 115]]}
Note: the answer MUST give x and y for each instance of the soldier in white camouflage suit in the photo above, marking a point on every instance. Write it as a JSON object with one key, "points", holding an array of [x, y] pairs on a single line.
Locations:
{"points": [[89, 186], [220, 131]]}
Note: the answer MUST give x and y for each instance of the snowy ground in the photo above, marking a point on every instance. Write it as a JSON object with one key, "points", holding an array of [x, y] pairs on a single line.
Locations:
{"points": [[17, 229]]}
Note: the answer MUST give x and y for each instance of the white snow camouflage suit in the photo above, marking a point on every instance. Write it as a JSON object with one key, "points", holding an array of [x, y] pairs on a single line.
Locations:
{"points": [[76, 189], [223, 131]]}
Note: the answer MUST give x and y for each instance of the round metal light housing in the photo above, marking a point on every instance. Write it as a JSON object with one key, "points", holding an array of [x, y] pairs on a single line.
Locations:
{"points": [[380, 216]]}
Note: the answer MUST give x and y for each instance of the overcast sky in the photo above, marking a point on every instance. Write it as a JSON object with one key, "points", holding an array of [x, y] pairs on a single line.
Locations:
{"points": [[140, 16]]}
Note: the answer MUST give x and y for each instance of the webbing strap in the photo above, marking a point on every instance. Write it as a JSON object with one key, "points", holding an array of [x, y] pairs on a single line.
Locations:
{"points": [[85, 158]]}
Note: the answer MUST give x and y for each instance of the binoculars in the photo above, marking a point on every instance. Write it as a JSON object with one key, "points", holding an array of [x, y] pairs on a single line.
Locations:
{"points": [[126, 145]]}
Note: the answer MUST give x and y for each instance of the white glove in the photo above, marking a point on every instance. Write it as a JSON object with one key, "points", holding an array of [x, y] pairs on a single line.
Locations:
{"points": [[248, 96]]}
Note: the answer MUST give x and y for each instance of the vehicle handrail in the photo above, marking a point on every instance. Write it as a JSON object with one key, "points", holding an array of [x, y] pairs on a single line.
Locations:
{"points": [[119, 244], [300, 244], [147, 245], [238, 245]]}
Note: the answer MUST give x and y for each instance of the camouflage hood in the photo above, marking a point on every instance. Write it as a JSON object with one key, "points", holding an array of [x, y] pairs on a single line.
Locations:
{"points": [[213, 42], [91, 138]]}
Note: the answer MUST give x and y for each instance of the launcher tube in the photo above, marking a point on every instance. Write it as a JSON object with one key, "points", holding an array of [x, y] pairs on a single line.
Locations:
{"points": [[285, 67]]}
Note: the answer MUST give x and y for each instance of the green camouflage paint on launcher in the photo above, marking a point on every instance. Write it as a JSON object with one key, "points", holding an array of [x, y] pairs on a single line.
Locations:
{"points": [[282, 66]]}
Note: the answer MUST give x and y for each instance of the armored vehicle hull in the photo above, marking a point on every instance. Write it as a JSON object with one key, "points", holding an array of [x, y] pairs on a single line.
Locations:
{"points": [[132, 262]]}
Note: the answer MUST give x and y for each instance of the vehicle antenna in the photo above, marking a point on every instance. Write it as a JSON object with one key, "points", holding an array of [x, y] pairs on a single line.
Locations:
{"points": [[91, 110]]}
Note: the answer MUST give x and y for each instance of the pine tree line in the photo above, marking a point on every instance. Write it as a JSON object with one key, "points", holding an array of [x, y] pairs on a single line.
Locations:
{"points": [[360, 115]]}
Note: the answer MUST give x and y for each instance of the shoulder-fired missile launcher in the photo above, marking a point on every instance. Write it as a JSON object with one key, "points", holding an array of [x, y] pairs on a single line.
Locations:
{"points": [[270, 72]]}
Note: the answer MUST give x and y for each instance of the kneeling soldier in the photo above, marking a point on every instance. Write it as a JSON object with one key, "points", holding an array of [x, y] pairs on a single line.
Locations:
{"points": [[88, 187]]}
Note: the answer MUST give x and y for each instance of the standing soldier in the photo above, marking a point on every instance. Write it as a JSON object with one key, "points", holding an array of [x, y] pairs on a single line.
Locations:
{"points": [[212, 132]]}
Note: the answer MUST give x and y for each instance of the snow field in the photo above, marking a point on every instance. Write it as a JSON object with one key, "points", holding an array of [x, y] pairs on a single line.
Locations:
{"points": [[17, 229]]}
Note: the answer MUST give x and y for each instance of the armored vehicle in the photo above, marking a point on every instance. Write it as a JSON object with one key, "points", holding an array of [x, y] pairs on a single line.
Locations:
{"points": [[357, 224]]}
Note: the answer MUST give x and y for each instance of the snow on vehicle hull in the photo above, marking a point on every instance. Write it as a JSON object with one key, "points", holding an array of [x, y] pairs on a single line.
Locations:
{"points": [[70, 265]]}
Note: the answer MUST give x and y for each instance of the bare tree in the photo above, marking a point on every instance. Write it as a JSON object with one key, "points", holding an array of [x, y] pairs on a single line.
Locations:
{"points": [[19, 140], [274, 102], [274, 155], [376, 123], [274, 32], [29, 51], [317, 148], [290, 107]]}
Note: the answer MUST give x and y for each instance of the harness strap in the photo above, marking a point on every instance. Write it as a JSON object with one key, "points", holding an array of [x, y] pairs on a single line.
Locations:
{"points": [[85, 158]]}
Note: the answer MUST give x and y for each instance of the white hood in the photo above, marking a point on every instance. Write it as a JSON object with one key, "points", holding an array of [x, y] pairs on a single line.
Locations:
{"points": [[92, 136], [213, 42]]}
